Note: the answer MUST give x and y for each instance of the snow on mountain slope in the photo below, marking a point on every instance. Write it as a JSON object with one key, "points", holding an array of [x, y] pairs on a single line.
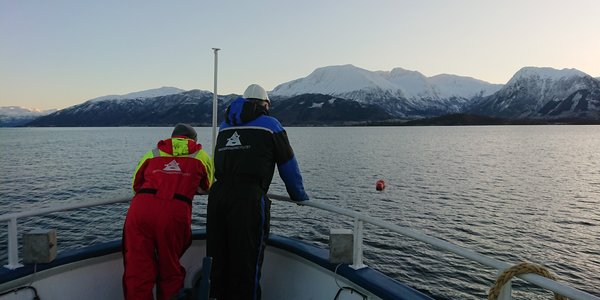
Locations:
{"points": [[448, 85], [163, 91], [334, 80], [11, 116], [194, 106], [15, 111], [412, 83], [356, 83], [545, 74], [544, 93], [547, 83]]}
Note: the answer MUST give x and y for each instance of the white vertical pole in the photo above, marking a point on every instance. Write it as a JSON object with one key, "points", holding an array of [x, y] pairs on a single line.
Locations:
{"points": [[13, 250], [358, 240], [214, 112]]}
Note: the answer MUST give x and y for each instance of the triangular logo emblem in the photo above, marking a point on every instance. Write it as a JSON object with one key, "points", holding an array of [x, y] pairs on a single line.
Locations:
{"points": [[172, 166], [234, 140]]}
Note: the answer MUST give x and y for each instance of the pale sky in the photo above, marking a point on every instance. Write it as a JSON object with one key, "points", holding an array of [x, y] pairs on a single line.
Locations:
{"points": [[59, 53]]}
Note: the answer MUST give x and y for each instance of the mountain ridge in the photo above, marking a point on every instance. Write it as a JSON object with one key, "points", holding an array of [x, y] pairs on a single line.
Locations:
{"points": [[345, 80], [346, 95], [544, 94], [151, 93], [12, 116]]}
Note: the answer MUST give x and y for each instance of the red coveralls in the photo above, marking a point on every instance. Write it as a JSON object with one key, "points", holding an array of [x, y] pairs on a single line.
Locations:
{"points": [[157, 229]]}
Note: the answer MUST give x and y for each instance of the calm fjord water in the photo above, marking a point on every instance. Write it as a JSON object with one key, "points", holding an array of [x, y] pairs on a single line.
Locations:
{"points": [[511, 192]]}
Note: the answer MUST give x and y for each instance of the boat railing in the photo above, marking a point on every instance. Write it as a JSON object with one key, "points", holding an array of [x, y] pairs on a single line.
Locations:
{"points": [[359, 220], [11, 219]]}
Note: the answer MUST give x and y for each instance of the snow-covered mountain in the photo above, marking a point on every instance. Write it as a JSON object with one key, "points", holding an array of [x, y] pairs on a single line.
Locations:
{"points": [[149, 107], [400, 92], [193, 107], [336, 80], [347, 94], [544, 93], [163, 91], [17, 111], [449, 86], [348, 80], [11, 116]]}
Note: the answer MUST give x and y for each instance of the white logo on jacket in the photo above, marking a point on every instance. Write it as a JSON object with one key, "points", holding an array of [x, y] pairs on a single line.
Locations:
{"points": [[172, 166], [234, 140]]}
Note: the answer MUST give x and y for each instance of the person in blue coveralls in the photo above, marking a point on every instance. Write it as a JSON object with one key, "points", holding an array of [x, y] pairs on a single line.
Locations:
{"points": [[249, 145]]}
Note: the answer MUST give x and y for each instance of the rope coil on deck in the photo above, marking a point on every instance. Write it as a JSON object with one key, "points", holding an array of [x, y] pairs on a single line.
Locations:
{"points": [[518, 269]]}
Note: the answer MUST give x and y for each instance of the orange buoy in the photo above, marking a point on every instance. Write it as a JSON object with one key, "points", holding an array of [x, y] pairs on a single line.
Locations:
{"points": [[380, 185]]}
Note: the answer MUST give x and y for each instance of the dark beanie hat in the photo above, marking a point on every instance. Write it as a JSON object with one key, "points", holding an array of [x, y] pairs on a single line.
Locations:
{"points": [[184, 130]]}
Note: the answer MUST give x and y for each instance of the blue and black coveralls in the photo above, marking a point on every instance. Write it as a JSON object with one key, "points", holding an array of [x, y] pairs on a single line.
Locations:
{"points": [[249, 145]]}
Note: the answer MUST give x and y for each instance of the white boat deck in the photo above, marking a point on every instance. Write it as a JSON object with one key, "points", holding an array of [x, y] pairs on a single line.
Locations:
{"points": [[292, 270]]}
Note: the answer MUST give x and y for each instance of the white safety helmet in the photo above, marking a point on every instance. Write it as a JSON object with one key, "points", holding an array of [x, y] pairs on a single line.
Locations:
{"points": [[255, 91]]}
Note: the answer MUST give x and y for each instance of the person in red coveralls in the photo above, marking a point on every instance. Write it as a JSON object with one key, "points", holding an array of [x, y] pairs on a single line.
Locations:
{"points": [[157, 229]]}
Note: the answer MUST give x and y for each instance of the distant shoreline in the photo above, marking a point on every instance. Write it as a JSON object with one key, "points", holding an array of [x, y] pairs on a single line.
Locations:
{"points": [[445, 120], [476, 120]]}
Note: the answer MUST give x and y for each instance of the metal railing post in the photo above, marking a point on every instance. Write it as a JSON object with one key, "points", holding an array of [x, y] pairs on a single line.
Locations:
{"points": [[357, 261], [13, 245]]}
